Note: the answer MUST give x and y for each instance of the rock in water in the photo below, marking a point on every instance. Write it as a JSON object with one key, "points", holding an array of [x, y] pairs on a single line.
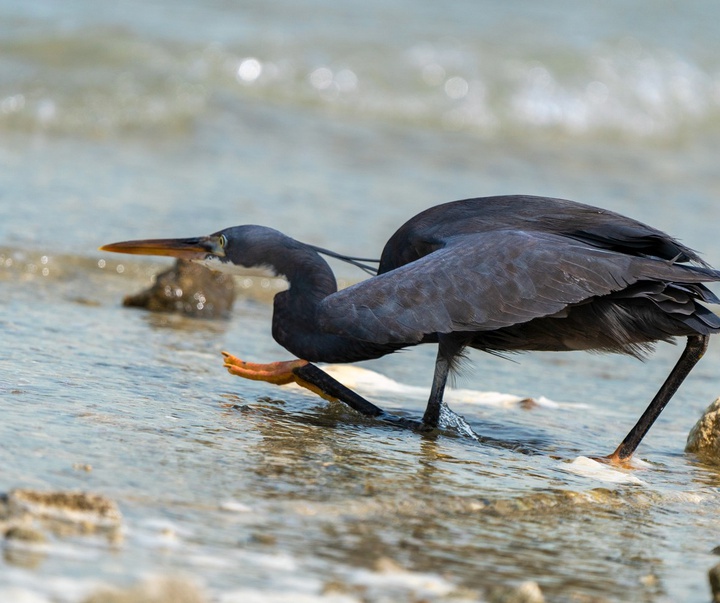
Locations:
{"points": [[714, 576], [704, 437], [190, 289]]}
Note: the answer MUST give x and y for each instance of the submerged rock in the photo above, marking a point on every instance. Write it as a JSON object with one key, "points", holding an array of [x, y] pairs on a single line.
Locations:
{"points": [[704, 437], [25, 534], [29, 518], [714, 577], [527, 592], [153, 590], [92, 511], [190, 289]]}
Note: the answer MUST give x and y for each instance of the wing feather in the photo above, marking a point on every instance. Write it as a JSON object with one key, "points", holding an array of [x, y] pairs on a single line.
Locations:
{"points": [[486, 281]]}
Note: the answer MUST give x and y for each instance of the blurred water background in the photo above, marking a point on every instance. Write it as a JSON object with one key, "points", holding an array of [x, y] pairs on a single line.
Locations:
{"points": [[335, 122]]}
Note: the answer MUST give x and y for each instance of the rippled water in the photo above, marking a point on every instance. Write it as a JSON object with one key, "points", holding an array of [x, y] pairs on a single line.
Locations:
{"points": [[334, 123]]}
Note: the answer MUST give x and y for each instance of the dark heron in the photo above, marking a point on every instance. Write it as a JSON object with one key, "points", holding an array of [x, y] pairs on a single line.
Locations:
{"points": [[499, 274]]}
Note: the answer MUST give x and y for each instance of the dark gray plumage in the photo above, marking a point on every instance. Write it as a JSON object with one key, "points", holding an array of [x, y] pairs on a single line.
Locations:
{"points": [[500, 274], [528, 273]]}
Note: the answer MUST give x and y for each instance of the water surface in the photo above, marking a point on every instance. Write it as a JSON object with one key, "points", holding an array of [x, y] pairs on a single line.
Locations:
{"points": [[334, 123]]}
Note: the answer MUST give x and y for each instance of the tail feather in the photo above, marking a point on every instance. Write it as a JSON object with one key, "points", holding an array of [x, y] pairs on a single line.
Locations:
{"points": [[703, 320]]}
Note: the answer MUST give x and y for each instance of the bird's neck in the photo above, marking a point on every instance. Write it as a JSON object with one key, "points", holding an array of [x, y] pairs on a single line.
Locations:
{"points": [[296, 315], [311, 278], [295, 310]]}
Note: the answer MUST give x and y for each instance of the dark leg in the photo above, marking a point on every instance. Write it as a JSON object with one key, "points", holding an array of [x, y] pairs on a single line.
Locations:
{"points": [[694, 350], [331, 388], [431, 418], [321, 383]]}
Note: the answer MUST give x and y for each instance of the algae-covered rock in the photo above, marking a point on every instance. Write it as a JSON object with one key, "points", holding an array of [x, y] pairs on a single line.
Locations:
{"points": [[91, 511], [527, 592], [190, 289], [704, 437], [30, 518]]}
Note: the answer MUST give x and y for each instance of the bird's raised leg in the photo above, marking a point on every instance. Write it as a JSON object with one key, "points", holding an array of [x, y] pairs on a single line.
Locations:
{"points": [[305, 374], [694, 350]]}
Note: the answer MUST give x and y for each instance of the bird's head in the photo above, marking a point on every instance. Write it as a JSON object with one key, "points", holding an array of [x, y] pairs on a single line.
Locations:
{"points": [[225, 251], [232, 249]]}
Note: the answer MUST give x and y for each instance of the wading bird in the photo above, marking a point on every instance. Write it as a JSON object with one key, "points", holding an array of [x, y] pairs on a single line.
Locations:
{"points": [[499, 274]]}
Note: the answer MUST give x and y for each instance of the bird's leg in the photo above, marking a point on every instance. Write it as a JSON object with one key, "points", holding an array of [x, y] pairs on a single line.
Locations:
{"points": [[431, 418], [694, 350], [317, 380], [305, 374]]}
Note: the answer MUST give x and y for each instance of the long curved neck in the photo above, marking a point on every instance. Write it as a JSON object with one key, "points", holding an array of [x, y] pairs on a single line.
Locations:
{"points": [[295, 315], [309, 275], [296, 325]]}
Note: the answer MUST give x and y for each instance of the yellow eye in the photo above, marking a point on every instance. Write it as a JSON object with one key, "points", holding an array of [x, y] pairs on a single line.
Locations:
{"points": [[223, 240]]}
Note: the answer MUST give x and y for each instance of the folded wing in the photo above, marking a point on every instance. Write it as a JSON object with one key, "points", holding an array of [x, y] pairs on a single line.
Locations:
{"points": [[486, 281]]}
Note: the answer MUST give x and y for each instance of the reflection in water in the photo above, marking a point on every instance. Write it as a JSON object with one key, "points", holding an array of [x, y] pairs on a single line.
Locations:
{"points": [[362, 493]]}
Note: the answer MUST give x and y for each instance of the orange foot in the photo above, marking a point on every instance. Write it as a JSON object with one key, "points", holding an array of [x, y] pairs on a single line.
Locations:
{"points": [[279, 373], [616, 459]]}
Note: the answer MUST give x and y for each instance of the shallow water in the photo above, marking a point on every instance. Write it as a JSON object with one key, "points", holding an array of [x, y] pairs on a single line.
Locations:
{"points": [[334, 124]]}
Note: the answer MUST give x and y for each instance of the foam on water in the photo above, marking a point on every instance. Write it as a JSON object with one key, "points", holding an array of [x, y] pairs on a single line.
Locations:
{"points": [[602, 472]]}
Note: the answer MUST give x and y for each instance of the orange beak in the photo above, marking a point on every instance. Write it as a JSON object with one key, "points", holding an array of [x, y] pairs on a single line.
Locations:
{"points": [[197, 248]]}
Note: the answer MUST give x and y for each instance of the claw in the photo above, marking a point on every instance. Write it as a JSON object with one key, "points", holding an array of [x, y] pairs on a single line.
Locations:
{"points": [[278, 373], [617, 460]]}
